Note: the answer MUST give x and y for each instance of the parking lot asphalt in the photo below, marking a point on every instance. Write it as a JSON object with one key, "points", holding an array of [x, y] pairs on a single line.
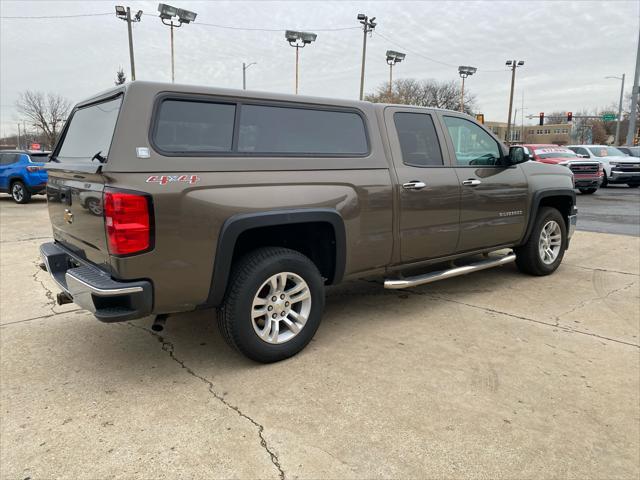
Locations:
{"points": [[492, 375], [615, 209]]}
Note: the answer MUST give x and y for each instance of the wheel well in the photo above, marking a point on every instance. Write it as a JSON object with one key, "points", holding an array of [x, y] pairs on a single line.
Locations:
{"points": [[563, 204], [14, 180], [316, 240]]}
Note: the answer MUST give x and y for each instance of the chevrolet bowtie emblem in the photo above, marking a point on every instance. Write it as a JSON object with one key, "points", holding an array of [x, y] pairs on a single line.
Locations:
{"points": [[68, 216]]}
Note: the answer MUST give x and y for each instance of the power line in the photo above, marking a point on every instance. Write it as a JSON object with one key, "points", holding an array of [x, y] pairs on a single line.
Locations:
{"points": [[57, 16], [229, 27], [393, 42]]}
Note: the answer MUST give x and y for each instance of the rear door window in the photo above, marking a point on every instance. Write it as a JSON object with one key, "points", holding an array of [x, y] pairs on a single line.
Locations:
{"points": [[194, 126], [9, 158], [284, 130], [90, 132], [418, 139]]}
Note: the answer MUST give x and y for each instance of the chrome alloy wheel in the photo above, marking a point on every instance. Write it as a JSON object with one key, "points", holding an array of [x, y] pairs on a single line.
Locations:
{"points": [[17, 191], [281, 307], [550, 242]]}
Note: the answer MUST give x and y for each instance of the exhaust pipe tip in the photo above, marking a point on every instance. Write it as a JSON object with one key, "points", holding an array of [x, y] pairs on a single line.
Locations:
{"points": [[158, 323]]}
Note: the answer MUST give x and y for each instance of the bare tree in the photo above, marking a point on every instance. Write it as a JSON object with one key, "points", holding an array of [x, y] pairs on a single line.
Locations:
{"points": [[423, 93], [120, 77], [45, 112]]}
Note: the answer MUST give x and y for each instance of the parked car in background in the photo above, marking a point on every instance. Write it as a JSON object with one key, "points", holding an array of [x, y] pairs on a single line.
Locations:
{"points": [[587, 174], [22, 175], [631, 151], [618, 167]]}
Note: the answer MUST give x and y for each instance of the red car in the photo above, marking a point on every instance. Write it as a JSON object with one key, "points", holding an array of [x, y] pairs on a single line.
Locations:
{"points": [[587, 174]]}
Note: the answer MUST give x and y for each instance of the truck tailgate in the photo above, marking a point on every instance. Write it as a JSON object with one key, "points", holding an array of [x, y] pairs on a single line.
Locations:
{"points": [[76, 213]]}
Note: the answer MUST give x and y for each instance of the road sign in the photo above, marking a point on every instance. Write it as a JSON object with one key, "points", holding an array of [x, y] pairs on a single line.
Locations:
{"points": [[609, 117]]}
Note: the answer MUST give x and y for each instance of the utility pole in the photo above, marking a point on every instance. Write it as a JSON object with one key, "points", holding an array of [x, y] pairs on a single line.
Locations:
{"points": [[19, 137], [368, 25], [244, 74], [513, 64], [617, 140], [634, 98], [393, 57], [125, 14], [299, 40], [167, 12], [464, 72]]}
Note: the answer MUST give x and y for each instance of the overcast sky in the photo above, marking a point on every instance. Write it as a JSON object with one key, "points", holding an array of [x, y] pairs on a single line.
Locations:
{"points": [[569, 47]]}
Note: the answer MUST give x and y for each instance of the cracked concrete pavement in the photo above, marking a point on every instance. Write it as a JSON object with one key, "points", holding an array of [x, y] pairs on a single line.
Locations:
{"points": [[493, 375]]}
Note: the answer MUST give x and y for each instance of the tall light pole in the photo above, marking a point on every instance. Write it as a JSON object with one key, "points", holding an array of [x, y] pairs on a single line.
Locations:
{"points": [[617, 140], [245, 67], [125, 14], [635, 92], [368, 24], [464, 71], [393, 57], [167, 12], [513, 64], [299, 40]]}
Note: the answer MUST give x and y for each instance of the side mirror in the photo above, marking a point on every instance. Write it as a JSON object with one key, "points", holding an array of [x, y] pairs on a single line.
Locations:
{"points": [[518, 155]]}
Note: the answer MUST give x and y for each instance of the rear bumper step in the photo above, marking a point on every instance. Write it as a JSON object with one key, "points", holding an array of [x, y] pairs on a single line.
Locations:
{"points": [[93, 289], [431, 277]]}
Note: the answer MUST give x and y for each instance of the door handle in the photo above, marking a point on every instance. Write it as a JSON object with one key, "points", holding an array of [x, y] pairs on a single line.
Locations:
{"points": [[414, 185], [472, 182]]}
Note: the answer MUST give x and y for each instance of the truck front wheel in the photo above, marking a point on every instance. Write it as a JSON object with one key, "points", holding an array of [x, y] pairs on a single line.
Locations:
{"points": [[543, 252], [273, 305]]}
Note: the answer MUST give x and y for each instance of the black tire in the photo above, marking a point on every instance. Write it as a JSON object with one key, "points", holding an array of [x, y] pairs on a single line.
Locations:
{"points": [[19, 192], [633, 185], [528, 258], [248, 275], [588, 191]]}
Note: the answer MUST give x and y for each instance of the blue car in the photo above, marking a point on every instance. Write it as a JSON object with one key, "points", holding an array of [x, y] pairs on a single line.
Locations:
{"points": [[22, 175]]}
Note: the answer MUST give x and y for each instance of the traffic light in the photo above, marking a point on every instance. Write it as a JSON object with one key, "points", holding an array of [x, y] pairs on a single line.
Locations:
{"points": [[569, 116], [541, 118]]}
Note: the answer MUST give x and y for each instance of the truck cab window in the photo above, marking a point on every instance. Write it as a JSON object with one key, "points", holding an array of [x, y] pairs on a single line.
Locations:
{"points": [[472, 145], [418, 139]]}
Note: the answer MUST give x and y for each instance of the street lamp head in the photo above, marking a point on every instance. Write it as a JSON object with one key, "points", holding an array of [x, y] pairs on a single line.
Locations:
{"points": [[394, 57], [509, 63], [167, 11], [520, 63], [121, 11], [186, 16], [138, 16], [293, 37], [465, 70], [362, 16]]}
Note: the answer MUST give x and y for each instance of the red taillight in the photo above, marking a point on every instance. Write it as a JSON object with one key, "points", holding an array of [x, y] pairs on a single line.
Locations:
{"points": [[127, 220], [33, 169]]}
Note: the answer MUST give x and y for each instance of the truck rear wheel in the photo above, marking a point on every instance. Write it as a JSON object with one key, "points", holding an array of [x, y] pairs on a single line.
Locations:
{"points": [[543, 252], [273, 305]]}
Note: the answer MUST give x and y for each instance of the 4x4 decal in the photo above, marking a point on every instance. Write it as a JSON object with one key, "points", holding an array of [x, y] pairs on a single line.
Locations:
{"points": [[164, 179]]}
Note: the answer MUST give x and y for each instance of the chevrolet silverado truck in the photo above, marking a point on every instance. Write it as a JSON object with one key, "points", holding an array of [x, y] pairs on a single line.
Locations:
{"points": [[252, 203]]}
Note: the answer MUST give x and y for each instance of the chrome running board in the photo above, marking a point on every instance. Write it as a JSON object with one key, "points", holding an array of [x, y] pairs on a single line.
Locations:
{"points": [[450, 273]]}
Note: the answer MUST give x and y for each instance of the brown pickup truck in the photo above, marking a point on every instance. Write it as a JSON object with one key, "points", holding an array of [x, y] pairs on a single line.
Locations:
{"points": [[172, 198]]}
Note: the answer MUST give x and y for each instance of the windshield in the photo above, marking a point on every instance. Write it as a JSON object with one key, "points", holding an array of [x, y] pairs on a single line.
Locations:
{"points": [[606, 152], [90, 132], [554, 153]]}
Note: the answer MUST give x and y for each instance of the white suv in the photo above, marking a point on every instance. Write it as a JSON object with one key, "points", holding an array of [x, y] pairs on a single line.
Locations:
{"points": [[618, 167]]}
